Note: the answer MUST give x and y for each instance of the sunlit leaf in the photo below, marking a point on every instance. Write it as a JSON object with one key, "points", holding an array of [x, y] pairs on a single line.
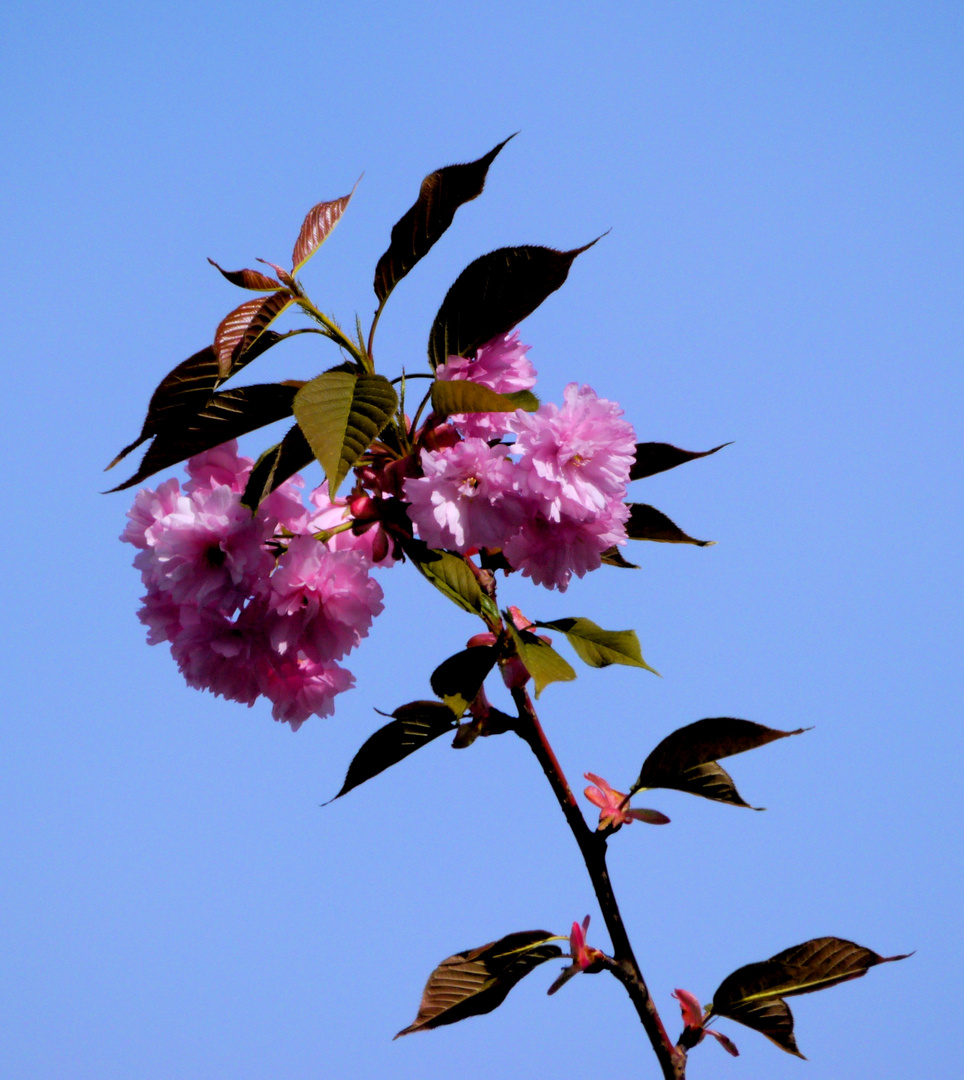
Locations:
{"points": [[458, 680], [414, 725], [441, 194], [341, 415], [249, 279], [277, 464], [239, 330], [227, 415], [477, 981], [597, 647], [318, 223], [449, 574], [647, 523], [494, 293], [657, 457], [542, 661], [462, 396], [523, 399], [686, 760], [752, 994]]}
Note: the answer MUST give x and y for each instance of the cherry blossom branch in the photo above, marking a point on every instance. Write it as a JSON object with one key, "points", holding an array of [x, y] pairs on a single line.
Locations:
{"points": [[592, 845]]}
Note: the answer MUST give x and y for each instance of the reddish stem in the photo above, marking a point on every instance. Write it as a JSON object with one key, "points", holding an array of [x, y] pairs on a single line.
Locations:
{"points": [[592, 845]]}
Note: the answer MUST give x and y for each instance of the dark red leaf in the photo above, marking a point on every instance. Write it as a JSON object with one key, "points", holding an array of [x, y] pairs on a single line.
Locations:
{"points": [[478, 980], [240, 329], [184, 392], [753, 994], [494, 293], [414, 725], [275, 466], [441, 194], [458, 680], [226, 416], [318, 223], [686, 760], [657, 457], [249, 279], [648, 523]]}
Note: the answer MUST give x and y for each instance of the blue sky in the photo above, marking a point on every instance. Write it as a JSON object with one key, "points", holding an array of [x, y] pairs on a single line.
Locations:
{"points": [[782, 185]]}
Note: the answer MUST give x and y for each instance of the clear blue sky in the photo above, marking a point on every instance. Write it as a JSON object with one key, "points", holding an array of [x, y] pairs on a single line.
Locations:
{"points": [[783, 186]]}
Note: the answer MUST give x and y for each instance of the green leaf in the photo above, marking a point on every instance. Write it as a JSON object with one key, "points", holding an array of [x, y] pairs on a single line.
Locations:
{"points": [[441, 194], [318, 223], [448, 573], [599, 648], [414, 725], [494, 293], [523, 399], [542, 661], [341, 415], [240, 329], [226, 416], [276, 465], [753, 994], [478, 980], [657, 457], [648, 523], [686, 760], [185, 390], [458, 680], [461, 396]]}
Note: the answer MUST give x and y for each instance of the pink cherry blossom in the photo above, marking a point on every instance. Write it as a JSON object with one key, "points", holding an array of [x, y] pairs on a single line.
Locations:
{"points": [[576, 458], [326, 598], [220, 466], [299, 688], [499, 364], [614, 807], [464, 500], [551, 552]]}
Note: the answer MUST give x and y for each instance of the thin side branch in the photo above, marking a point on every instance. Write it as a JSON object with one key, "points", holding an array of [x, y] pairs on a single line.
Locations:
{"points": [[592, 845]]}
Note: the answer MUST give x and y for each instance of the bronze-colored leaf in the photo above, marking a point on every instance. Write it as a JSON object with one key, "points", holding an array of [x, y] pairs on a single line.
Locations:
{"points": [[478, 980], [227, 415], [614, 557], [341, 415], [441, 194], [458, 680], [687, 759], [494, 293], [648, 523], [183, 392], [454, 396], [414, 725], [276, 465], [752, 994], [240, 329], [249, 279], [318, 223], [657, 457]]}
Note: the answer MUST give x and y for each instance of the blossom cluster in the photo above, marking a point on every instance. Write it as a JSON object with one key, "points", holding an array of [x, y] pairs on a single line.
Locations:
{"points": [[266, 604], [252, 605], [551, 500]]}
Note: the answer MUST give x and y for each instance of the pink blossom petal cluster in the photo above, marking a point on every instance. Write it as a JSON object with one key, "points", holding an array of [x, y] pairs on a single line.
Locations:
{"points": [[464, 499], [553, 507], [500, 365], [252, 605]]}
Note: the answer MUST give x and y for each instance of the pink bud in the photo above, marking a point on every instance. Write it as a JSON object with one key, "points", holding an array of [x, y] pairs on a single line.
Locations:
{"points": [[691, 1008], [514, 673], [480, 639]]}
